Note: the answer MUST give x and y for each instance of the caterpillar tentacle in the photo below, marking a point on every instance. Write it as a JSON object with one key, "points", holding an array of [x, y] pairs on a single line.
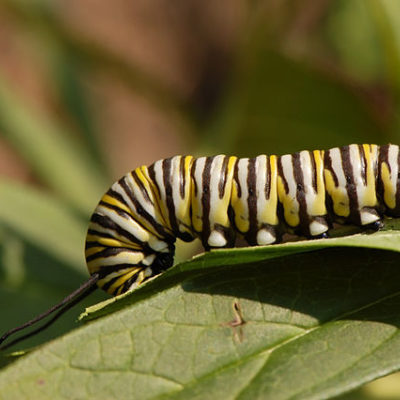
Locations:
{"points": [[133, 229]]}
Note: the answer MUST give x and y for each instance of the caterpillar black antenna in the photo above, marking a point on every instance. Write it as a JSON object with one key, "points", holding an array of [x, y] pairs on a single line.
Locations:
{"points": [[64, 305]]}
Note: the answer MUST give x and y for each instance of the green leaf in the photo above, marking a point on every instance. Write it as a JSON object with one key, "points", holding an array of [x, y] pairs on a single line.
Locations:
{"points": [[355, 40], [31, 281], [279, 105], [41, 257], [68, 76], [385, 14], [42, 17], [50, 151], [244, 323], [44, 221]]}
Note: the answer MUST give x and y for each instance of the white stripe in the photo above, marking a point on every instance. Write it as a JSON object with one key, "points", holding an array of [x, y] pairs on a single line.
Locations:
{"points": [[126, 257], [337, 167], [133, 187], [138, 195], [261, 180], [215, 177], [198, 175], [287, 168], [393, 154], [243, 165], [130, 225], [112, 275], [198, 181], [356, 165], [216, 238], [308, 171]]}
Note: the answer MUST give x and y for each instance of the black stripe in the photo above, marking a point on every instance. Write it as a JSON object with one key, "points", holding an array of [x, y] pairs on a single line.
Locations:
{"points": [[118, 210], [108, 269], [115, 195], [252, 200], [222, 177], [328, 166], [281, 174], [351, 186], [300, 193], [102, 235], [166, 168], [142, 188], [90, 244], [108, 284], [193, 178], [267, 188], [205, 200], [363, 164], [107, 223], [109, 252], [314, 174], [139, 209], [236, 178], [152, 175], [383, 157], [182, 177], [140, 212]]}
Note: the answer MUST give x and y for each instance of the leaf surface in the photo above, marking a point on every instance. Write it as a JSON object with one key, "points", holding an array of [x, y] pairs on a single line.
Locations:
{"points": [[244, 323]]}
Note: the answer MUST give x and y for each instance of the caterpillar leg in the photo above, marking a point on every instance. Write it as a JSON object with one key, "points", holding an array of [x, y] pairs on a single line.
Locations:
{"points": [[375, 226], [266, 235], [317, 227]]}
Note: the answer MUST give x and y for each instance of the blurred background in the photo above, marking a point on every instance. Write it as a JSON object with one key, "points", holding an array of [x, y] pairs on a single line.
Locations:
{"points": [[90, 90]]}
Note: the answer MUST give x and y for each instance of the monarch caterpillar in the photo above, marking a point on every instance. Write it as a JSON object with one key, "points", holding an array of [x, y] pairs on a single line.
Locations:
{"points": [[133, 229]]}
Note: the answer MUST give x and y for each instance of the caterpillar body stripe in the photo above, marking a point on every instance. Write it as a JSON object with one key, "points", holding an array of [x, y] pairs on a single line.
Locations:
{"points": [[132, 231]]}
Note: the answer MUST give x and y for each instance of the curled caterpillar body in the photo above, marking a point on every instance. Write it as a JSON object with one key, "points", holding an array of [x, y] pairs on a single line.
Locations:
{"points": [[132, 231]]}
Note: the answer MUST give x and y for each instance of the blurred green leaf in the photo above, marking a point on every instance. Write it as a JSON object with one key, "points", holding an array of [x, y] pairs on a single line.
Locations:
{"points": [[277, 105], [41, 257], [68, 77], [41, 17], [44, 221], [386, 388], [53, 155], [43, 281], [314, 325], [386, 15], [346, 33]]}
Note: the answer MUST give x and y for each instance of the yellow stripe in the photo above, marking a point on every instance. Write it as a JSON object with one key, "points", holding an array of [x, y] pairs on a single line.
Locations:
{"points": [[93, 250], [107, 242], [290, 204], [271, 216], [389, 192], [240, 209], [340, 199], [116, 203], [152, 190], [182, 209], [318, 208], [124, 257], [369, 199], [119, 282], [219, 211]]}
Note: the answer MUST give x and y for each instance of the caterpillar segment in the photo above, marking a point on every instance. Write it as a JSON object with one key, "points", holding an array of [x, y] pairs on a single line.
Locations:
{"points": [[132, 232]]}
